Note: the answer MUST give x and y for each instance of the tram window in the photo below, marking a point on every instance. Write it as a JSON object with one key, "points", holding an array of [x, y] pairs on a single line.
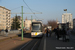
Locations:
{"points": [[36, 27]]}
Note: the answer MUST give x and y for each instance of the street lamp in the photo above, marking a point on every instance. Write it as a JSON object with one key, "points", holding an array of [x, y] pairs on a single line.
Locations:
{"points": [[66, 17], [66, 14]]}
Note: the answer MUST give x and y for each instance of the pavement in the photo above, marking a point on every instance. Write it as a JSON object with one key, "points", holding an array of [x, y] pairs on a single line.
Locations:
{"points": [[9, 36], [14, 43], [53, 44]]}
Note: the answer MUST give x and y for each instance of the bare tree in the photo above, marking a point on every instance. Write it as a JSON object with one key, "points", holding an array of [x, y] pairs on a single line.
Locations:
{"points": [[52, 23], [45, 25]]}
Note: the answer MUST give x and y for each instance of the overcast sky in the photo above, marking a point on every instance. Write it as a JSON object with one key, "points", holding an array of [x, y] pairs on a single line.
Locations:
{"points": [[51, 9]]}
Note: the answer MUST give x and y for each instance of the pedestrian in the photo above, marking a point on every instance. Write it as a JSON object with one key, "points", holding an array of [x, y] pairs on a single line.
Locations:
{"points": [[57, 33], [55, 30], [50, 32], [47, 32], [67, 34], [64, 35], [6, 32]]}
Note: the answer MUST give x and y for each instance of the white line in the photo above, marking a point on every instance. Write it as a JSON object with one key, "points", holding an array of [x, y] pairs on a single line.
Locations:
{"points": [[34, 45], [25, 45], [44, 44]]}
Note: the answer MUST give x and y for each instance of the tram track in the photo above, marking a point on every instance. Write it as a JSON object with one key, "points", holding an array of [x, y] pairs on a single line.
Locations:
{"points": [[31, 45]]}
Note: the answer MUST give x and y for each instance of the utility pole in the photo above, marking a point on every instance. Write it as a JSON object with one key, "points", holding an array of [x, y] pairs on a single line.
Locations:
{"points": [[22, 22]]}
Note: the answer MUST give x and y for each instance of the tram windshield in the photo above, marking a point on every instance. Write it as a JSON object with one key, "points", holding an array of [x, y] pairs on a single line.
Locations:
{"points": [[36, 27]]}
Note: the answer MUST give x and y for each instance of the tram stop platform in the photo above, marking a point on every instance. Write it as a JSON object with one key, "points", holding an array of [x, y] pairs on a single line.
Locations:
{"points": [[53, 44]]}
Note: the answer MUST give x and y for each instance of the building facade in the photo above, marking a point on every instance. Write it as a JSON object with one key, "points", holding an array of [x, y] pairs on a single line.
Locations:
{"points": [[28, 23], [74, 24], [67, 18], [5, 15]]}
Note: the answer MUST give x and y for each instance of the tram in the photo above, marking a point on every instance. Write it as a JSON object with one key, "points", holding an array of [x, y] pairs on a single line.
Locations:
{"points": [[36, 29]]}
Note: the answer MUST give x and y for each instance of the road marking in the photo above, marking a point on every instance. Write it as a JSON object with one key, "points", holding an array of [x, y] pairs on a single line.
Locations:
{"points": [[25, 45], [34, 45], [44, 44]]}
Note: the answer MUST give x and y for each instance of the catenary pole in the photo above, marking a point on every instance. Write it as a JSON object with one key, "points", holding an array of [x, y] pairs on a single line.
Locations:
{"points": [[22, 22]]}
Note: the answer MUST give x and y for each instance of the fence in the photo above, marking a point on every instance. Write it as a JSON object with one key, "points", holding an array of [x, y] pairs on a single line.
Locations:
{"points": [[10, 32]]}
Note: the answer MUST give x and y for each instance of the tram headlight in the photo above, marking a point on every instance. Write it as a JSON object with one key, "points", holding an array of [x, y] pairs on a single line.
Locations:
{"points": [[32, 33]]}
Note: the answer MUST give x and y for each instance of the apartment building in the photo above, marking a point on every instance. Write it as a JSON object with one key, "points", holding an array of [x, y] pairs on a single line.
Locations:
{"points": [[74, 24], [28, 23], [67, 18], [5, 15]]}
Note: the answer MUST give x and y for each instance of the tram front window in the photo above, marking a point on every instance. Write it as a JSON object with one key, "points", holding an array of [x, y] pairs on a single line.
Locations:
{"points": [[36, 27]]}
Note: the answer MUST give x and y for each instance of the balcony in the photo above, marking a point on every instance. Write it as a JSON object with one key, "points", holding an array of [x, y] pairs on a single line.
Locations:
{"points": [[6, 11], [6, 20], [6, 14]]}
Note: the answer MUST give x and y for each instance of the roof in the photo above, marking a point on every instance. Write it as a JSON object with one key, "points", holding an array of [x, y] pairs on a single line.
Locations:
{"points": [[5, 8], [67, 13], [36, 22]]}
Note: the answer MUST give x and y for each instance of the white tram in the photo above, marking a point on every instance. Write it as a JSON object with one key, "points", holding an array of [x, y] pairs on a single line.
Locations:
{"points": [[37, 29]]}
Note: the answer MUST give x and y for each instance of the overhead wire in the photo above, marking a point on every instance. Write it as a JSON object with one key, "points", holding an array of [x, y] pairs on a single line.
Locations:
{"points": [[29, 8], [32, 9], [14, 9]]}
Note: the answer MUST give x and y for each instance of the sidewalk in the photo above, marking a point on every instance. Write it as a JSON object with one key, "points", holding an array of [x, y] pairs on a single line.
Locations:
{"points": [[4, 37], [14, 43], [53, 44]]}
